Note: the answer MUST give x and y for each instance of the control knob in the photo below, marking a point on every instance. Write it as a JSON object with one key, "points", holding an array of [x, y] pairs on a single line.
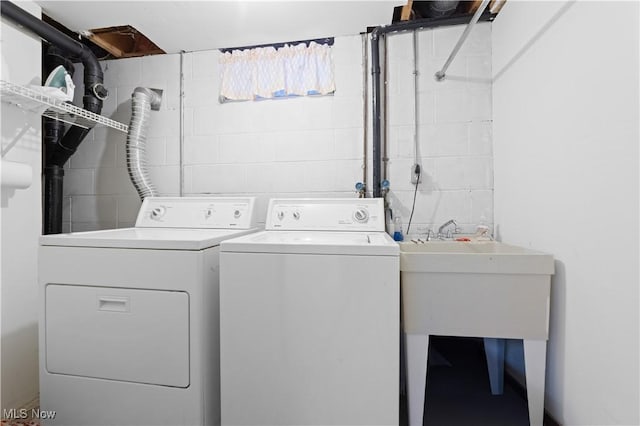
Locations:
{"points": [[296, 215], [361, 215], [158, 212]]}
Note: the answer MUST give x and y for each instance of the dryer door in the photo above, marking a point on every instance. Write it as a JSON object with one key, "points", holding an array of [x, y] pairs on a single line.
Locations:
{"points": [[118, 334]]}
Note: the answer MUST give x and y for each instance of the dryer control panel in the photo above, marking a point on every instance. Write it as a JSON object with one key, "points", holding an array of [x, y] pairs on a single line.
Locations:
{"points": [[326, 214], [197, 212]]}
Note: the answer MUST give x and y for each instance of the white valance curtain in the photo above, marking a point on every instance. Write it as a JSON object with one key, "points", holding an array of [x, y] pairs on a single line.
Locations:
{"points": [[269, 72]]}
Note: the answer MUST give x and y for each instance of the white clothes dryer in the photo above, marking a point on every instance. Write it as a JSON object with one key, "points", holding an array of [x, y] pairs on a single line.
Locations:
{"points": [[129, 323], [309, 317]]}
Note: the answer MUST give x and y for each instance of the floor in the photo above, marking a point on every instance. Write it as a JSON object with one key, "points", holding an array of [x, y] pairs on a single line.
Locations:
{"points": [[24, 417], [458, 392], [25, 422]]}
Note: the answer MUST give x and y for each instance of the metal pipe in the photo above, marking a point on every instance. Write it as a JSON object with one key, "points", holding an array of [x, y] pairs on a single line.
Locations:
{"points": [[416, 102], [375, 95], [365, 102], [385, 114], [440, 75], [181, 160]]}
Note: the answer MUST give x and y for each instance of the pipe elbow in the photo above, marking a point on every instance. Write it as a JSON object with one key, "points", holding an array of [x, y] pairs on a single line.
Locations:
{"points": [[153, 96]]}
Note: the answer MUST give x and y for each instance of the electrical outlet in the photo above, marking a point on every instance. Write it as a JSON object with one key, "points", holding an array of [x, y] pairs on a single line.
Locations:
{"points": [[416, 174]]}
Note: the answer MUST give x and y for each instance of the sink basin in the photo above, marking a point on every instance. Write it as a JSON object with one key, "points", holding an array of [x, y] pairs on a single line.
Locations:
{"points": [[438, 246], [483, 288], [472, 257]]}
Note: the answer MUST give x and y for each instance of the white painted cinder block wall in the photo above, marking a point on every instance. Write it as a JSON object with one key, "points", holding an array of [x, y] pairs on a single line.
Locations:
{"points": [[565, 105], [299, 147], [288, 147], [454, 129], [98, 191], [21, 223]]}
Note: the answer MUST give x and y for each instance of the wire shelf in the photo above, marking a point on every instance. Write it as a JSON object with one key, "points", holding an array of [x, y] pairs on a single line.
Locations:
{"points": [[31, 99]]}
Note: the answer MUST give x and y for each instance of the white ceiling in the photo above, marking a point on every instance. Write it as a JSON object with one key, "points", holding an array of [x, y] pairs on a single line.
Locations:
{"points": [[202, 25]]}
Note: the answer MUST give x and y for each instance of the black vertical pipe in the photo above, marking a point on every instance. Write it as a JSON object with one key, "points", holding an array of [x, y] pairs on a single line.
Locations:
{"points": [[58, 152], [53, 131], [52, 186], [68, 145], [53, 179]]}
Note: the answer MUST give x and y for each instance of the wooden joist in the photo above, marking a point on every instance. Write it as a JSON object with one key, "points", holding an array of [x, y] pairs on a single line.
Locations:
{"points": [[406, 11], [494, 5], [473, 6], [123, 42]]}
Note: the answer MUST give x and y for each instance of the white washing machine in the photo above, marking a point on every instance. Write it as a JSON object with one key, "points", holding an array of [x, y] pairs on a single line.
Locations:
{"points": [[309, 317], [129, 324]]}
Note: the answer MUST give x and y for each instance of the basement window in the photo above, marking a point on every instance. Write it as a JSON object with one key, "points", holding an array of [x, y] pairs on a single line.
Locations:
{"points": [[303, 68]]}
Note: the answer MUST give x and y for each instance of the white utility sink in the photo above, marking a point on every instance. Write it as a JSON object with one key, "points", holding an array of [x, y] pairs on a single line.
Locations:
{"points": [[472, 257], [476, 289]]}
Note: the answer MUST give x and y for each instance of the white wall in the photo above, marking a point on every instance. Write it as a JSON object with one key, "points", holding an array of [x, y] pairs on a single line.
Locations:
{"points": [[565, 105], [21, 223], [454, 128], [299, 147]]}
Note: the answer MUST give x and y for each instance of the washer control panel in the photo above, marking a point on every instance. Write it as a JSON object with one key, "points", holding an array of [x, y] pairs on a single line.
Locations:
{"points": [[197, 212], [326, 214]]}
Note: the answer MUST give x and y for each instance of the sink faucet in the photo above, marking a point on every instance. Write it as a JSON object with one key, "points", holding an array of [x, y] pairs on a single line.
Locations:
{"points": [[429, 235], [441, 235]]}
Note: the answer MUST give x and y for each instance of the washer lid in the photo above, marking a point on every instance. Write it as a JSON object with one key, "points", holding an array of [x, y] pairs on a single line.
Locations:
{"points": [[145, 238], [314, 242]]}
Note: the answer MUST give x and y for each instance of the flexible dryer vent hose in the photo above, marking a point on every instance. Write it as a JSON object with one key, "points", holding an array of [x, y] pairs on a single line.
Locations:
{"points": [[143, 100]]}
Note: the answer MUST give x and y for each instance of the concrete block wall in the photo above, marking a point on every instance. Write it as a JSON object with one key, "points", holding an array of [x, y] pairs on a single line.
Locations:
{"points": [[302, 147], [453, 129], [98, 191]]}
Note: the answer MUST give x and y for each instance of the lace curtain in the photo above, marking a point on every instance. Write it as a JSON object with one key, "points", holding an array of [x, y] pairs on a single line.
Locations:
{"points": [[269, 72]]}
